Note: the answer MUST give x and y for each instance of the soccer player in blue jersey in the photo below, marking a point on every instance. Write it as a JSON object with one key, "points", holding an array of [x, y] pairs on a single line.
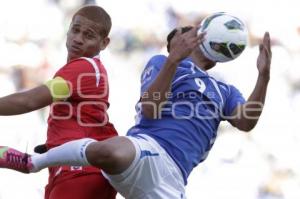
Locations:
{"points": [[180, 109]]}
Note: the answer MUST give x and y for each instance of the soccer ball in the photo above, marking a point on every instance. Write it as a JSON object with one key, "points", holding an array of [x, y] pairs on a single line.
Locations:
{"points": [[225, 39]]}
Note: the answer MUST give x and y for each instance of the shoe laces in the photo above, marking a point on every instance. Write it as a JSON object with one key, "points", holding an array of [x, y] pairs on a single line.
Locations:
{"points": [[18, 161]]}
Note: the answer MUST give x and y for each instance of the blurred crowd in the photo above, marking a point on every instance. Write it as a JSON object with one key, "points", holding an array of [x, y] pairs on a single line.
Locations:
{"points": [[263, 164]]}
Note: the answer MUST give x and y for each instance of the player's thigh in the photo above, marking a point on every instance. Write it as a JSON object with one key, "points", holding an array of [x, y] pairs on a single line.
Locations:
{"points": [[152, 174], [93, 186]]}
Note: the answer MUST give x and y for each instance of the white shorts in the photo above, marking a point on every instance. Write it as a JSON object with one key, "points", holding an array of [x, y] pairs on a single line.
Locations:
{"points": [[152, 175]]}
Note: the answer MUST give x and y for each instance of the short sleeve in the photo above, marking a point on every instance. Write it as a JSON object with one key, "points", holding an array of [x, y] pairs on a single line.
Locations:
{"points": [[80, 76], [151, 71], [234, 99]]}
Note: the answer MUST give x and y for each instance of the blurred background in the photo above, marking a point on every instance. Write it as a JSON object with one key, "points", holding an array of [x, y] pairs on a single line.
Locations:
{"points": [[261, 165]]}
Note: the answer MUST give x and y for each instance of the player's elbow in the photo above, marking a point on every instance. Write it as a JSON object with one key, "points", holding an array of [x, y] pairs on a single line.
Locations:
{"points": [[245, 129], [246, 126]]}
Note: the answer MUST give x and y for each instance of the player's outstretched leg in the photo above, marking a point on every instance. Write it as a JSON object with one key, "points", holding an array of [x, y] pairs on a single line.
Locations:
{"points": [[113, 156], [16, 160], [70, 153]]}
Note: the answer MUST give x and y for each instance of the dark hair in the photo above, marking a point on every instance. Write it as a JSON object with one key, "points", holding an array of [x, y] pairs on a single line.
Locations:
{"points": [[173, 32], [97, 15]]}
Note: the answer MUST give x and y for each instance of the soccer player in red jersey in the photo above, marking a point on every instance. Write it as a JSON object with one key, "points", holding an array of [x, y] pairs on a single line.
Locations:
{"points": [[78, 96]]}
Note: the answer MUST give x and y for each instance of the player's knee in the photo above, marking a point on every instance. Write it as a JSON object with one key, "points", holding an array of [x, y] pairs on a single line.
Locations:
{"points": [[98, 153], [111, 156]]}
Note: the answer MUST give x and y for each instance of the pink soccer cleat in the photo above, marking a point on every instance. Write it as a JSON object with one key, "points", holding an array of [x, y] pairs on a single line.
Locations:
{"points": [[15, 160]]}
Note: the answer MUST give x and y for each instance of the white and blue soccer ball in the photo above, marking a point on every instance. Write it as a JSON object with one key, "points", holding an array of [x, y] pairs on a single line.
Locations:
{"points": [[226, 37]]}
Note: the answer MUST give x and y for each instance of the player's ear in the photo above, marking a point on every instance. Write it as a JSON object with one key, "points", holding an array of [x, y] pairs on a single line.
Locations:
{"points": [[104, 43]]}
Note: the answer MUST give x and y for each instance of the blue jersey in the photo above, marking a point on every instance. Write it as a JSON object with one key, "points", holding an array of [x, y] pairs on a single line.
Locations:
{"points": [[187, 126]]}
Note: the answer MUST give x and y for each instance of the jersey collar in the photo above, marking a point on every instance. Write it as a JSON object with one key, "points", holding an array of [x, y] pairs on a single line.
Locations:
{"points": [[189, 59], [97, 56]]}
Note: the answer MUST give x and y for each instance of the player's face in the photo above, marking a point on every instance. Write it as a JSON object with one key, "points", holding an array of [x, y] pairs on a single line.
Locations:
{"points": [[83, 38], [201, 60]]}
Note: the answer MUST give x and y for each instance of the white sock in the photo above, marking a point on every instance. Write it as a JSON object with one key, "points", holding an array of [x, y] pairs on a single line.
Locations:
{"points": [[71, 153]]}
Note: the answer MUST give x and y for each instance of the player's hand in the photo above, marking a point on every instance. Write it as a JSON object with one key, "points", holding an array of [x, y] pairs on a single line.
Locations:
{"points": [[265, 56], [183, 44]]}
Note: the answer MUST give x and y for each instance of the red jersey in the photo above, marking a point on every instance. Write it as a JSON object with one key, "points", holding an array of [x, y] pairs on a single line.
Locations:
{"points": [[83, 114]]}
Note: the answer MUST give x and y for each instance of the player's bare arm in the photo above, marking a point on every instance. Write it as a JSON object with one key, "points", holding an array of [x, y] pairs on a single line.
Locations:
{"points": [[56, 89], [252, 109], [24, 102], [182, 45]]}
